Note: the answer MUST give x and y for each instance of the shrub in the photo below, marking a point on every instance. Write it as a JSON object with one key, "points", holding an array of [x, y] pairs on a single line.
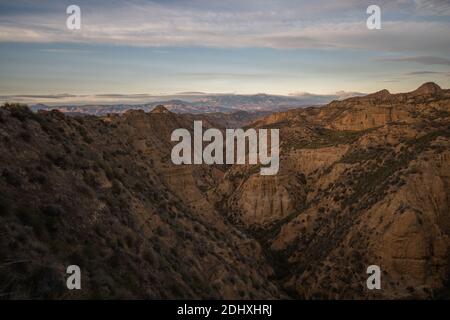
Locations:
{"points": [[52, 211], [116, 187], [4, 206], [50, 215], [11, 178], [20, 111], [38, 178], [84, 134], [25, 136], [31, 217], [57, 159]]}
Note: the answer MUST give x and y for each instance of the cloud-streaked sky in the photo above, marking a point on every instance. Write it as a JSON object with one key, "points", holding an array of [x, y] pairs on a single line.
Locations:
{"points": [[251, 46]]}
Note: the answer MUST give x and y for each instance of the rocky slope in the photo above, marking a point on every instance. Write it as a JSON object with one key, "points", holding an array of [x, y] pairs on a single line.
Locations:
{"points": [[362, 181]]}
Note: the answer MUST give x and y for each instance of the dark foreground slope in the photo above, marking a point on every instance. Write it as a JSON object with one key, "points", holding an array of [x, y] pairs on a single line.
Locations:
{"points": [[95, 192]]}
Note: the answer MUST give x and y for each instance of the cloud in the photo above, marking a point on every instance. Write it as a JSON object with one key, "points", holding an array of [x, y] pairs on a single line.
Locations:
{"points": [[433, 7], [390, 80], [107, 98], [428, 60], [263, 23], [420, 73], [41, 96], [64, 50], [415, 75], [324, 98]]}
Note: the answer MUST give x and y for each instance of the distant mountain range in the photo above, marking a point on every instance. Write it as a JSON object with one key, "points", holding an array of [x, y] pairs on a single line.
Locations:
{"points": [[182, 103]]}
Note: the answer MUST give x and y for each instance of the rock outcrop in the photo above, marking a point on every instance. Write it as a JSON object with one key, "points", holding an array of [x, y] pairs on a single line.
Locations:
{"points": [[374, 190]]}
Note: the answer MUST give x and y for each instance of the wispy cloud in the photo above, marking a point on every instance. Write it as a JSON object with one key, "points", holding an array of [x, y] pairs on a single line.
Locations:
{"points": [[416, 75], [421, 73], [64, 50], [434, 7], [270, 24], [428, 60]]}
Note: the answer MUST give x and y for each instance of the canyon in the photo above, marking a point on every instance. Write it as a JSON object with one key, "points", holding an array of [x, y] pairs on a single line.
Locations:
{"points": [[362, 181]]}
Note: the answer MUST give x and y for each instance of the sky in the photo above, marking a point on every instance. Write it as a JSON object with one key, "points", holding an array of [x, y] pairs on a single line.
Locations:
{"points": [[285, 47]]}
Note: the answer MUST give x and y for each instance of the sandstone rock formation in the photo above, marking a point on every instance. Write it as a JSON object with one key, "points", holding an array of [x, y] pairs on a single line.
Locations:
{"points": [[375, 191]]}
